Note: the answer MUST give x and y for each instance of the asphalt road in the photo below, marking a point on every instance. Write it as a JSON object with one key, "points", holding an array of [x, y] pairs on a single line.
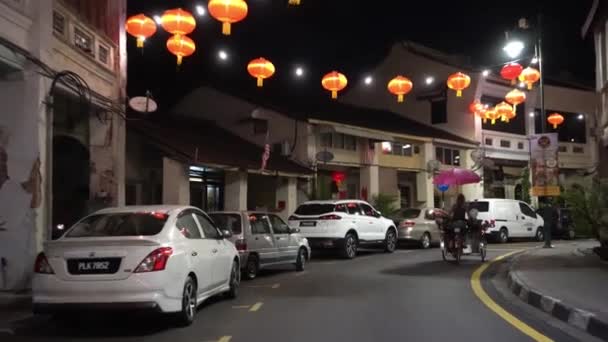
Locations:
{"points": [[411, 295]]}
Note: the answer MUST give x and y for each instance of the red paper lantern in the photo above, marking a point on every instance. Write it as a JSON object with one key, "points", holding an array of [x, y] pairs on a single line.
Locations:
{"points": [[475, 106], [458, 82], [555, 119], [228, 12], [140, 27], [492, 115], [181, 46], [293, 2], [505, 111], [511, 71], [334, 82], [515, 97], [529, 76], [400, 86], [338, 176], [177, 21], [261, 69]]}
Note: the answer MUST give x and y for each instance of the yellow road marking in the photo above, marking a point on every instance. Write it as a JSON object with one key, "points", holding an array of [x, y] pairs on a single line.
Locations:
{"points": [[225, 339], [485, 298], [256, 307], [241, 306]]}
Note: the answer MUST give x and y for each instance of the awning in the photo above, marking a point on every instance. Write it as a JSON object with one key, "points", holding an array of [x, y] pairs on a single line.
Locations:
{"points": [[357, 132], [204, 143]]}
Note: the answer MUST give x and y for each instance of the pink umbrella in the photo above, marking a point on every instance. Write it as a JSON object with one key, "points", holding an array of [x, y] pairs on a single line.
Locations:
{"points": [[456, 176]]}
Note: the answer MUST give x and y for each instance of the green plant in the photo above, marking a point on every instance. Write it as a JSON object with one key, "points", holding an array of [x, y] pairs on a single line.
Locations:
{"points": [[589, 207], [386, 204]]}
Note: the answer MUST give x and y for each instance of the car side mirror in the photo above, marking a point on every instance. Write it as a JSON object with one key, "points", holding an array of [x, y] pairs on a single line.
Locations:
{"points": [[226, 234], [294, 230], [378, 214]]}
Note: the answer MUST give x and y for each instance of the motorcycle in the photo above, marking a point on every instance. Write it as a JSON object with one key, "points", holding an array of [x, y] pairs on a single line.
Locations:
{"points": [[464, 238]]}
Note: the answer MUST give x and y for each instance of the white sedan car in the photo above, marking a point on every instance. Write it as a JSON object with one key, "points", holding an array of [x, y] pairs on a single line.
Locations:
{"points": [[165, 258]]}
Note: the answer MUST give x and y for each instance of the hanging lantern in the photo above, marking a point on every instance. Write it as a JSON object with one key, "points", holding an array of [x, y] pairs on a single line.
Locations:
{"points": [[529, 76], [475, 106], [515, 97], [555, 119], [228, 12], [261, 69], [294, 2], [178, 22], [511, 71], [482, 113], [458, 82], [181, 46], [492, 115], [140, 27], [504, 111], [334, 82], [400, 86]]}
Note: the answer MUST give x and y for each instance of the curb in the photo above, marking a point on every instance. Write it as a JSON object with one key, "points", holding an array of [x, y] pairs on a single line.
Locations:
{"points": [[576, 317], [11, 301]]}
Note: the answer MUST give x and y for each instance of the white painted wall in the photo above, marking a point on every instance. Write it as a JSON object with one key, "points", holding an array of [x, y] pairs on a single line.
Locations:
{"points": [[288, 192], [176, 182], [235, 193]]}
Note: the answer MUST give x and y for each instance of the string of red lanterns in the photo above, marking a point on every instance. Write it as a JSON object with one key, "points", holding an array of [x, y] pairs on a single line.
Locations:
{"points": [[260, 68], [228, 12], [334, 82], [400, 86], [140, 27]]}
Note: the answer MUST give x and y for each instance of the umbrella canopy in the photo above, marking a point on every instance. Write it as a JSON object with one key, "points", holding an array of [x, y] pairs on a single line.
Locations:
{"points": [[456, 176]]}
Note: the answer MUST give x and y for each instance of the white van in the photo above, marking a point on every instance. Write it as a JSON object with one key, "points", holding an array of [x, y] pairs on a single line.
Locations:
{"points": [[509, 219]]}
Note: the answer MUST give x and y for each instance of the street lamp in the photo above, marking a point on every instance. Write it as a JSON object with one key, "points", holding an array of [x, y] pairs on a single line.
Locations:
{"points": [[513, 49]]}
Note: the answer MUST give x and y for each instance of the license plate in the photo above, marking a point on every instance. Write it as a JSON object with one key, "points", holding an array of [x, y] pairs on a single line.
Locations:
{"points": [[93, 266], [308, 224]]}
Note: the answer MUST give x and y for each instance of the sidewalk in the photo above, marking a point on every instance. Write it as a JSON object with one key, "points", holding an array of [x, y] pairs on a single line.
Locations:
{"points": [[568, 281], [13, 306]]}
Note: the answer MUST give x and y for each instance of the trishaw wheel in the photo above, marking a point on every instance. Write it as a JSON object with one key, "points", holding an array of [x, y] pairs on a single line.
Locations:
{"points": [[482, 249]]}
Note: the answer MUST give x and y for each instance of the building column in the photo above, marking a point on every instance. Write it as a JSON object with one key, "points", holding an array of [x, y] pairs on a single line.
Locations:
{"points": [[287, 196], [176, 182], [369, 177], [425, 191], [235, 194]]}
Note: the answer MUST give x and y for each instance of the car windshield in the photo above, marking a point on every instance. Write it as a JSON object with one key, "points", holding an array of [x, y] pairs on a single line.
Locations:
{"points": [[481, 206], [314, 209], [119, 224], [410, 213], [227, 221]]}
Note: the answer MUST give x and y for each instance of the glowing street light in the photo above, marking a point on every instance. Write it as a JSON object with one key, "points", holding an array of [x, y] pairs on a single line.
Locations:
{"points": [[222, 55], [200, 10], [299, 72], [158, 19], [485, 73], [429, 80], [368, 80], [514, 48]]}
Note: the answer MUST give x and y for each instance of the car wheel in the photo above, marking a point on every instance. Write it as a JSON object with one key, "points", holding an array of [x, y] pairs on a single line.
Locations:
{"points": [[425, 240], [301, 260], [390, 242], [189, 298], [503, 235], [349, 247], [540, 234], [252, 268], [235, 280]]}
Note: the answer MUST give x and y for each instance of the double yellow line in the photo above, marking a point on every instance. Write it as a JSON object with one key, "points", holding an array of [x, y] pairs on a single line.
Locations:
{"points": [[483, 296]]}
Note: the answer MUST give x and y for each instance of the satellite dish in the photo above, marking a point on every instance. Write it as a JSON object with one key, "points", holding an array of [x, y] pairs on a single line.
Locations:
{"points": [[143, 104], [477, 156], [325, 156], [432, 166]]}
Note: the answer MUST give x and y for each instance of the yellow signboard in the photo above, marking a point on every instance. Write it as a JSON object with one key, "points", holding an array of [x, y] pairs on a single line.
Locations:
{"points": [[543, 165]]}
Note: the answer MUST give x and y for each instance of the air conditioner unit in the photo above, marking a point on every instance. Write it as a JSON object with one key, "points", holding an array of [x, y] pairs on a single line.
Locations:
{"points": [[283, 148]]}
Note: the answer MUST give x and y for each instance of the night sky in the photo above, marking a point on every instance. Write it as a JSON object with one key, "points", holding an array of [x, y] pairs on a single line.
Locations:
{"points": [[351, 36]]}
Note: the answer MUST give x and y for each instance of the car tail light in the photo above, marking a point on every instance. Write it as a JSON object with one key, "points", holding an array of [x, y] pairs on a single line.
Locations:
{"points": [[241, 245], [155, 261], [408, 223], [330, 217], [292, 218], [42, 265]]}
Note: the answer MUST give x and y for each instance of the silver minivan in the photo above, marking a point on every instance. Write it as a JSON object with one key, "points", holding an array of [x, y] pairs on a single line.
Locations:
{"points": [[263, 239]]}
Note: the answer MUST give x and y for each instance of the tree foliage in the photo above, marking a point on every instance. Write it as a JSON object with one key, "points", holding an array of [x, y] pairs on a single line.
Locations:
{"points": [[589, 207], [386, 204]]}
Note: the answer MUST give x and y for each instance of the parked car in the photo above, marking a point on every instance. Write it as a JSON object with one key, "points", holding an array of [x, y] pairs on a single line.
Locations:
{"points": [[417, 225], [509, 219], [344, 225], [163, 258], [263, 240]]}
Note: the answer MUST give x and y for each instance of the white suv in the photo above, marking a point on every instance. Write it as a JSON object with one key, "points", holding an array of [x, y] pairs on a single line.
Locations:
{"points": [[343, 224]]}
